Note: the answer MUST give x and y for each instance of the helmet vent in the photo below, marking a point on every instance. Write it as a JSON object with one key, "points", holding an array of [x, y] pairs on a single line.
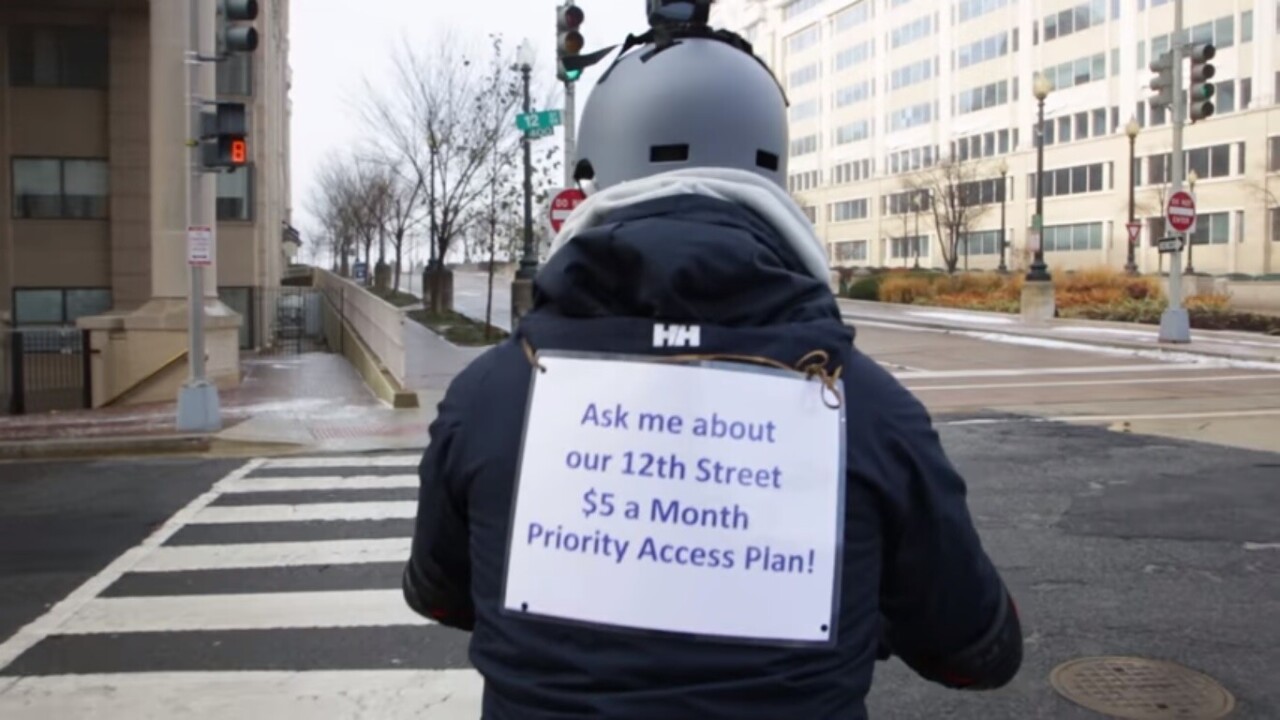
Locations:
{"points": [[669, 153], [767, 160]]}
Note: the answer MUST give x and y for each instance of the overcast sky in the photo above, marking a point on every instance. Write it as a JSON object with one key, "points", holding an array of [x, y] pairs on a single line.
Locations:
{"points": [[338, 43]]}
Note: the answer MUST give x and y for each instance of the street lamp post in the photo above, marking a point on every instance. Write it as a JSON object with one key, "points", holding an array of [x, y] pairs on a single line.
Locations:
{"points": [[528, 263], [1131, 129], [1004, 194], [1039, 270], [915, 241], [1192, 177]]}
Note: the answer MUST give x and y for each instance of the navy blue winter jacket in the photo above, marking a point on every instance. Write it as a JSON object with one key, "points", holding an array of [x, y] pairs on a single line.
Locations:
{"points": [[914, 578]]}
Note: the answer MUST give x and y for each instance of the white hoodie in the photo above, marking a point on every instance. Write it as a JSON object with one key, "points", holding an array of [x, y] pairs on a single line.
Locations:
{"points": [[738, 186]]}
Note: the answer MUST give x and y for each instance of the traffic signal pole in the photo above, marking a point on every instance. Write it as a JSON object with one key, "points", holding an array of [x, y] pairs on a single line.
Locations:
{"points": [[570, 132], [1175, 323], [198, 407]]}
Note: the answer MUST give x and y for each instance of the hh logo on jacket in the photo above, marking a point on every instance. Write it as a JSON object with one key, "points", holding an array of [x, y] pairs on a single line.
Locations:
{"points": [[676, 336]]}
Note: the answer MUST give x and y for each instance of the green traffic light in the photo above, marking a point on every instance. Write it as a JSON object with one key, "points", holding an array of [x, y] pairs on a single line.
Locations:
{"points": [[572, 75], [1203, 92]]}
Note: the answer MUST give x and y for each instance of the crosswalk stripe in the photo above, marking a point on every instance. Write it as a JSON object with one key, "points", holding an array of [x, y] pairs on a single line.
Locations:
{"points": [[321, 482], [272, 611], [261, 555], [353, 461], [382, 694], [305, 513]]}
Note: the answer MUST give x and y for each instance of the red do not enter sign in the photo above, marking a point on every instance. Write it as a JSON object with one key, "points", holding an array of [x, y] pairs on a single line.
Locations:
{"points": [[1180, 211], [563, 205]]}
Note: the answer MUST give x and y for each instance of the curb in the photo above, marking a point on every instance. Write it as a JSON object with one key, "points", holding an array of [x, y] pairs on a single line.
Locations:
{"points": [[853, 316], [104, 447]]}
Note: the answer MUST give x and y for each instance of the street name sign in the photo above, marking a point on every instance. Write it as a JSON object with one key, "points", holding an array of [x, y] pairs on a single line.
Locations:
{"points": [[538, 120]]}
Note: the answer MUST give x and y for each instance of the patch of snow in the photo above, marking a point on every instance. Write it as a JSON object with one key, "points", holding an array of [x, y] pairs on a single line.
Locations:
{"points": [[962, 317], [1261, 546]]}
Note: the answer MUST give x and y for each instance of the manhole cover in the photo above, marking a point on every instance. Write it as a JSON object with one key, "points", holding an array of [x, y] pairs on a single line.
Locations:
{"points": [[1126, 687]]}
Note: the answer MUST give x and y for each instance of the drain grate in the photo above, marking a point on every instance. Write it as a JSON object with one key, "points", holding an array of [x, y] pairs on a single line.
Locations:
{"points": [[1141, 689]]}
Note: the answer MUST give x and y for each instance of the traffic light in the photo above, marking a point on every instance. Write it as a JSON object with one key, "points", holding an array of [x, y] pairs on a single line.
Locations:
{"points": [[1162, 83], [569, 42], [222, 141], [233, 36], [1202, 71]]}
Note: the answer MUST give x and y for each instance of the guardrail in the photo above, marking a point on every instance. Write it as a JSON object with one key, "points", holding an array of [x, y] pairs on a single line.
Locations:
{"points": [[378, 323]]}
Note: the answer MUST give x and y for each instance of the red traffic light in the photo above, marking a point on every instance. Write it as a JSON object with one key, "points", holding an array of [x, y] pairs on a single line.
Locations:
{"points": [[573, 16], [239, 151]]}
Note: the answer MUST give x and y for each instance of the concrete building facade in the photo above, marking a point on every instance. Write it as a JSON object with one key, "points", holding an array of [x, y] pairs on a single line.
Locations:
{"points": [[93, 132], [886, 91]]}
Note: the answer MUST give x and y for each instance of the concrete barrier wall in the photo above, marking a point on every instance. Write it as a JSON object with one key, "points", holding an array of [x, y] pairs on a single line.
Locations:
{"points": [[378, 323], [1261, 297]]}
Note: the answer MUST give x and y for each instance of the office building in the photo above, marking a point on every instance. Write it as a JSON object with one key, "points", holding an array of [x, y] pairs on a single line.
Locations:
{"points": [[93, 132], [885, 93]]}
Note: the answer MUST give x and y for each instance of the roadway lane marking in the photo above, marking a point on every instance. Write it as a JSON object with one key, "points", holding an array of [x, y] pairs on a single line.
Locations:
{"points": [[228, 514], [1085, 383], [355, 461], [1227, 414], [179, 558], [258, 611], [383, 694], [61, 613], [1035, 372], [321, 482]]}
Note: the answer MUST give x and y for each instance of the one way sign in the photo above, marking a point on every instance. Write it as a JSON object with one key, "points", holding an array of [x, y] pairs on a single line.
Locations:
{"points": [[1172, 244]]}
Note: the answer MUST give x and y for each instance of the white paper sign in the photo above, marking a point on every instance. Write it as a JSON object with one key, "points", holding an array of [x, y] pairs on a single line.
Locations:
{"points": [[678, 498], [199, 246]]}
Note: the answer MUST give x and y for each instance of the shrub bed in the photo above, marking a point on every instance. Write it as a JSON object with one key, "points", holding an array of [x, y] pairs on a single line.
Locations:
{"points": [[1100, 294]]}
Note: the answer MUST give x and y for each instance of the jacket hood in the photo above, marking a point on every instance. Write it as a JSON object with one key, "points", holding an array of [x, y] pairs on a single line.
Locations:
{"points": [[686, 257]]}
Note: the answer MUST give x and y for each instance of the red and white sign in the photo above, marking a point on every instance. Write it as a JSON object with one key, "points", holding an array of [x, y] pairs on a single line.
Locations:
{"points": [[1135, 229], [1180, 212], [199, 246], [563, 205]]}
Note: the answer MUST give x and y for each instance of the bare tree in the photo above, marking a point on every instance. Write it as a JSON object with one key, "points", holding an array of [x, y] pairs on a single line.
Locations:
{"points": [[957, 201], [431, 119]]}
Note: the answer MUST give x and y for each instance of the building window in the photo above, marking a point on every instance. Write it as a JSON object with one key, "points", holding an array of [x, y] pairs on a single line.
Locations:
{"points": [[983, 50], [1275, 224], [853, 56], [851, 172], [851, 94], [1078, 72], [57, 188], [1212, 229], [1075, 19], [805, 75], [67, 57], [982, 98], [797, 7], [235, 75], [235, 194], [1273, 153], [807, 109], [986, 242], [970, 9], [853, 132], [853, 16], [912, 246], [849, 210], [849, 251], [800, 182], [916, 30], [907, 75], [900, 203], [1069, 181], [1246, 26], [58, 306], [912, 116], [1070, 238]]}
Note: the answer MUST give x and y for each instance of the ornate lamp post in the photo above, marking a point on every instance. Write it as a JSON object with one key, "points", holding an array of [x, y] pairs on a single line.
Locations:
{"points": [[1131, 129]]}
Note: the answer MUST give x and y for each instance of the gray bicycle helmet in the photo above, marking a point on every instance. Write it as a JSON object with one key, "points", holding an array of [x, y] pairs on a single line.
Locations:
{"points": [[686, 96]]}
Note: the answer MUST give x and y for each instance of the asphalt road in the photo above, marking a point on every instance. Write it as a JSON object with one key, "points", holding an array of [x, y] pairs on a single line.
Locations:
{"points": [[60, 523], [288, 576]]}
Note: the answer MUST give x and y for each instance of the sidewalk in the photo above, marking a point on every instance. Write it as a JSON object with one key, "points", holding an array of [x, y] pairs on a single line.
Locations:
{"points": [[313, 402], [1233, 346]]}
